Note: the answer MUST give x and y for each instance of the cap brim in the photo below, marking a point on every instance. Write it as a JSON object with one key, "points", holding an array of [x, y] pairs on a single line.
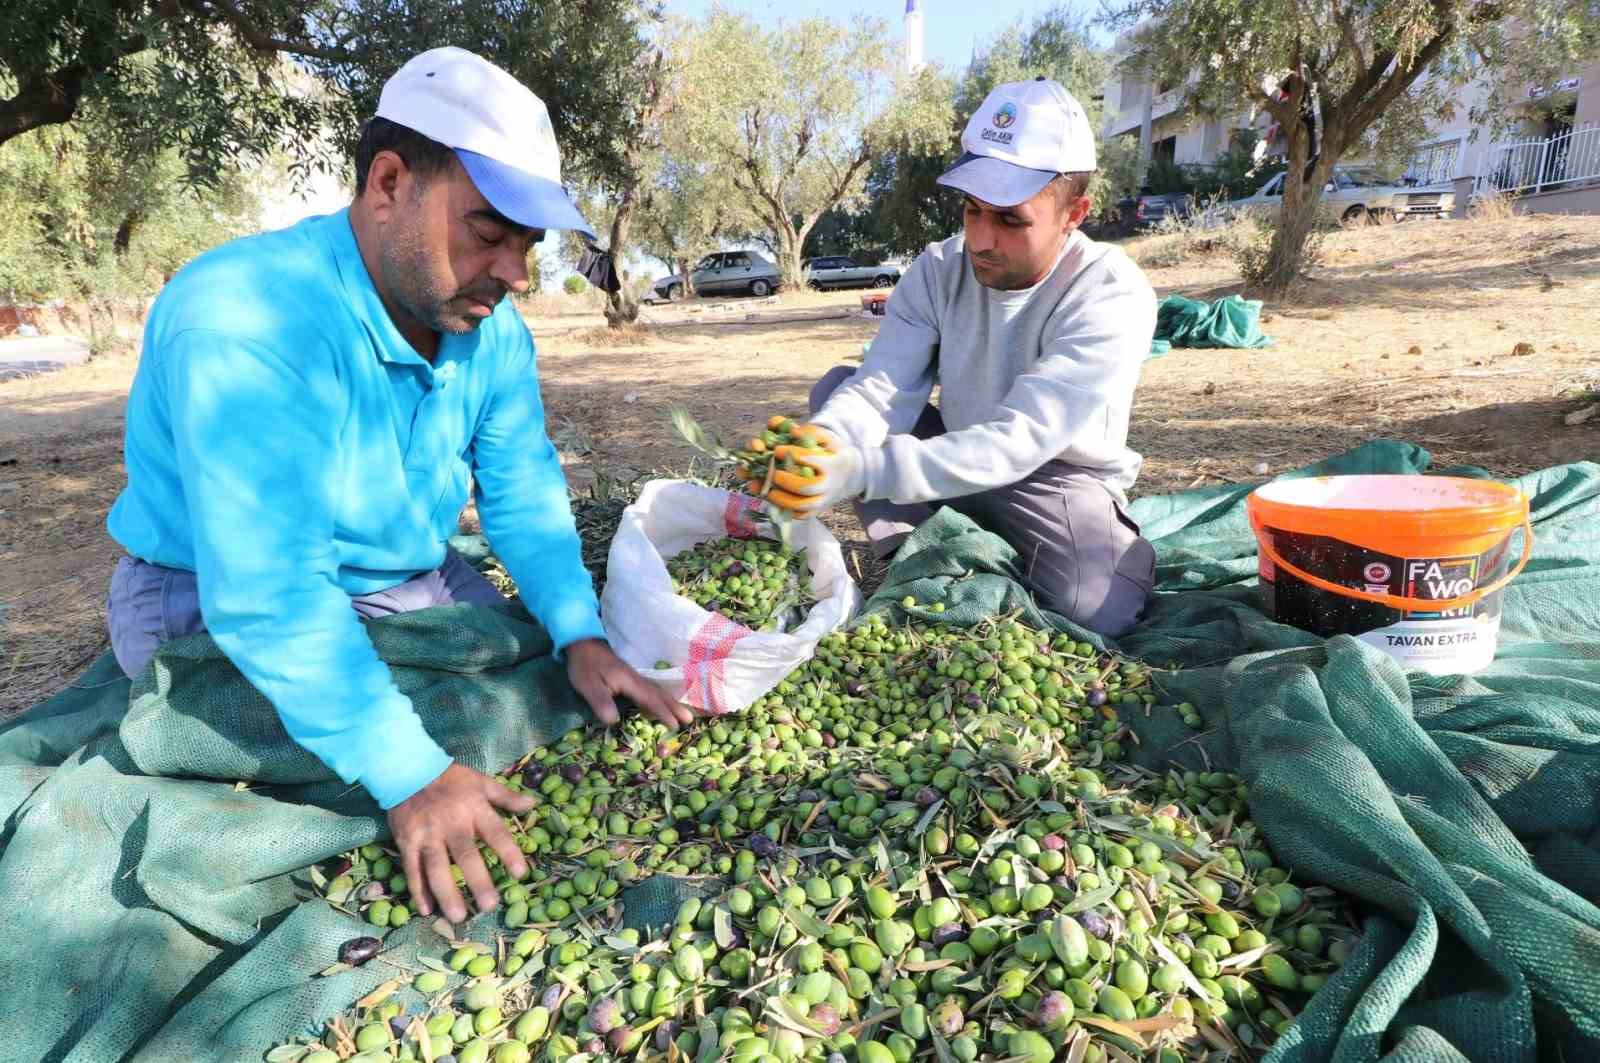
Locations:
{"points": [[525, 198], [994, 181]]}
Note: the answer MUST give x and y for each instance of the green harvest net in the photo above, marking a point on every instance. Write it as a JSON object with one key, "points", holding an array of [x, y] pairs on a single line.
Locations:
{"points": [[152, 901]]}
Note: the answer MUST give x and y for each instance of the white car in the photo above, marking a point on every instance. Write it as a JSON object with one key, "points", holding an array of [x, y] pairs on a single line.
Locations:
{"points": [[1427, 201], [1358, 195]]}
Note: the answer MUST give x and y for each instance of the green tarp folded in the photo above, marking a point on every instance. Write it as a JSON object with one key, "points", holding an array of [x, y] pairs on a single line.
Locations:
{"points": [[1229, 322]]}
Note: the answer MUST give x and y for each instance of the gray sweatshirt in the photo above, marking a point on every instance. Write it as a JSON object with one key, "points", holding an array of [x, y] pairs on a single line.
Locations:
{"points": [[1024, 376]]}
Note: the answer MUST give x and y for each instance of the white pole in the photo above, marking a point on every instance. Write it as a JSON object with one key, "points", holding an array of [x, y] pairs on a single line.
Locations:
{"points": [[913, 36]]}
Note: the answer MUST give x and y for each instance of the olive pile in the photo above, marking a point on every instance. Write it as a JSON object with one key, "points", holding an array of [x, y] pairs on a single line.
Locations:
{"points": [[923, 847], [758, 583]]}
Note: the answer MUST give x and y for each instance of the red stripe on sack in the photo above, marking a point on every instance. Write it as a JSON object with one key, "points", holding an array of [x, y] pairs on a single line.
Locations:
{"points": [[736, 515], [703, 673]]}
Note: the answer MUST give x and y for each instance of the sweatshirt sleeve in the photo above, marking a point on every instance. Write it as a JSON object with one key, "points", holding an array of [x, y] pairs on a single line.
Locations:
{"points": [[1093, 352], [523, 501], [254, 432], [886, 395]]}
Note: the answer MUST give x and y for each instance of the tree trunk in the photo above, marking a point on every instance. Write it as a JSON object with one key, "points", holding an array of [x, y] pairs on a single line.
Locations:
{"points": [[125, 231], [1286, 256], [788, 252], [1297, 218], [622, 305]]}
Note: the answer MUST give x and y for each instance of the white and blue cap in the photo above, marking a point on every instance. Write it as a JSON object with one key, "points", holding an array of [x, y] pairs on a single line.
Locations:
{"points": [[499, 129], [1025, 133]]}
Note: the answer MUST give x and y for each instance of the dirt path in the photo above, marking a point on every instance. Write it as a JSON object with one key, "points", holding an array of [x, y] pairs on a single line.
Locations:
{"points": [[1411, 333]]}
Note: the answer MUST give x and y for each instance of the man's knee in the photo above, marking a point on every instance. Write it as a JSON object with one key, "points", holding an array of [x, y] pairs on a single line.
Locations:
{"points": [[1107, 606], [830, 382], [465, 584], [1121, 608]]}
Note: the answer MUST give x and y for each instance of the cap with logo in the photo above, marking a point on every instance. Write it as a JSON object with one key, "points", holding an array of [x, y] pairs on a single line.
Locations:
{"points": [[1025, 133], [499, 129]]}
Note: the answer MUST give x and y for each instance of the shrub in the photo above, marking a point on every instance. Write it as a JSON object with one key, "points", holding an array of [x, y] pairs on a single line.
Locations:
{"points": [[574, 285]]}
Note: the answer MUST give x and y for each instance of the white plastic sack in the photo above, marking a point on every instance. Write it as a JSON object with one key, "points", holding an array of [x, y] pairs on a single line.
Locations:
{"points": [[718, 666]]}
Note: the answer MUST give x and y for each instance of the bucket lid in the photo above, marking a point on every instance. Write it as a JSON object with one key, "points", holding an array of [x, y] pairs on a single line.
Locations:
{"points": [[1380, 511]]}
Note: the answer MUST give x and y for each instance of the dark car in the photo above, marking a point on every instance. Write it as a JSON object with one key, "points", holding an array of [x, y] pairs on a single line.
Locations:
{"points": [[1151, 208]]}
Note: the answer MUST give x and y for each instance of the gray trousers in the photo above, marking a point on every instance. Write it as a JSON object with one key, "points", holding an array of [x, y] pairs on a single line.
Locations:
{"points": [[150, 604], [1082, 556]]}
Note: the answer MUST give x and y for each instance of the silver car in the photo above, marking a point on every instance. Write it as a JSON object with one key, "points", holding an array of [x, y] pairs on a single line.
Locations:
{"points": [[839, 271], [723, 273], [1357, 194]]}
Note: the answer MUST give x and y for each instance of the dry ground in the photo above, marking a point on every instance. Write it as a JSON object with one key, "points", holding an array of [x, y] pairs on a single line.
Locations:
{"points": [[1411, 332]]}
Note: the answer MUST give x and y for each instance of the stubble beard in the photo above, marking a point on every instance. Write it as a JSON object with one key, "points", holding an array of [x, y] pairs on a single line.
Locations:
{"points": [[414, 287]]}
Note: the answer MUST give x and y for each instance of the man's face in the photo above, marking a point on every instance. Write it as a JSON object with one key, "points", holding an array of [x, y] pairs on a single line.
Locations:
{"points": [[1014, 247], [446, 256]]}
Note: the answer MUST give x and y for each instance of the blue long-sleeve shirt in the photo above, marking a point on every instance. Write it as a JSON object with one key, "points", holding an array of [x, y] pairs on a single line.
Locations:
{"points": [[285, 443]]}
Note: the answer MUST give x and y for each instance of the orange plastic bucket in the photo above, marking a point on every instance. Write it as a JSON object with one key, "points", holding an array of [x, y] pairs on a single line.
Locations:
{"points": [[1411, 564]]}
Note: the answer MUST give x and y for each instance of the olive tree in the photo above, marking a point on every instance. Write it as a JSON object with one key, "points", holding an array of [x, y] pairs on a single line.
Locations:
{"points": [[796, 113], [908, 209], [1380, 71], [224, 80]]}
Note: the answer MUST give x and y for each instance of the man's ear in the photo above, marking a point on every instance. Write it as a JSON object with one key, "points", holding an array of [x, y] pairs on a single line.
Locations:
{"points": [[388, 181], [1078, 211]]}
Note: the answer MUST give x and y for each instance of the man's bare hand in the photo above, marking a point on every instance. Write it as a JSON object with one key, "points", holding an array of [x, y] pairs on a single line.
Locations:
{"points": [[441, 824], [600, 675]]}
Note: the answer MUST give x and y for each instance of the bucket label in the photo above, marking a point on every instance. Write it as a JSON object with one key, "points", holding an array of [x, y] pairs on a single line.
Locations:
{"points": [[1442, 641], [1439, 578], [1463, 644]]}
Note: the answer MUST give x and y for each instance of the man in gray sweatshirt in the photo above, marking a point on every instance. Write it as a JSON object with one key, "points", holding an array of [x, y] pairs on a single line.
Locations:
{"points": [[1035, 336]]}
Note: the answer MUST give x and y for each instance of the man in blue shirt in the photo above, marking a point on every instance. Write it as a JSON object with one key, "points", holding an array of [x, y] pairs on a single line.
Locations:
{"points": [[309, 409]]}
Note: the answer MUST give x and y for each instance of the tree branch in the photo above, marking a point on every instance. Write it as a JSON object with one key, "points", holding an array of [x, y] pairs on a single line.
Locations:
{"points": [[838, 189], [262, 41], [44, 101], [1366, 112], [52, 98], [1347, 31]]}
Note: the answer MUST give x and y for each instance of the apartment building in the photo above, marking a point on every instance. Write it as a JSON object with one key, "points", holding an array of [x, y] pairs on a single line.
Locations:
{"points": [[1552, 142]]}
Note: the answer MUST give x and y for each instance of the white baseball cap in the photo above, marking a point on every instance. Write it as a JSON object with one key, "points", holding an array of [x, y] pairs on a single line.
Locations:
{"points": [[499, 129], [1025, 133]]}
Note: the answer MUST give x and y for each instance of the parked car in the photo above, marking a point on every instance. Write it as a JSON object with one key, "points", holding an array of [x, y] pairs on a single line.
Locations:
{"points": [[1431, 201], [838, 271], [1358, 194], [723, 273], [1150, 209]]}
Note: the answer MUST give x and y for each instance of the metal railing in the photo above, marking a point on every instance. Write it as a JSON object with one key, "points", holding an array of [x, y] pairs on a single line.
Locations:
{"points": [[1547, 164], [1434, 164]]}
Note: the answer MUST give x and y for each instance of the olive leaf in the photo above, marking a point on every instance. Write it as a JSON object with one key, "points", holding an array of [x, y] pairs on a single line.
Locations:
{"points": [[380, 994], [696, 436], [806, 923], [710, 1050], [287, 1053], [1084, 901], [722, 927]]}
